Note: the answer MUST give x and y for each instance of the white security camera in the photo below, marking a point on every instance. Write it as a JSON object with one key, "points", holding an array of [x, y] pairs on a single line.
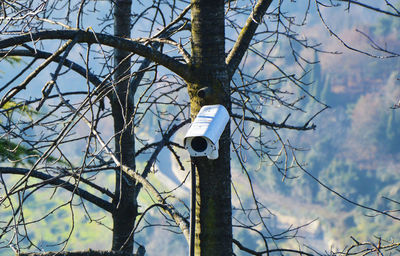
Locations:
{"points": [[202, 138]]}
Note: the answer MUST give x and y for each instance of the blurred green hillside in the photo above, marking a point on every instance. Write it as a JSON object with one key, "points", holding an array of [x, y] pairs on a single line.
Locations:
{"points": [[355, 149]]}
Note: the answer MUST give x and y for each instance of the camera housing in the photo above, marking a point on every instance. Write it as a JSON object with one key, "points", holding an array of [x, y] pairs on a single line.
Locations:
{"points": [[202, 138]]}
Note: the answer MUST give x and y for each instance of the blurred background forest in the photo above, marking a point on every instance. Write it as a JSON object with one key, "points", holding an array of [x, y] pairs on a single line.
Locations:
{"points": [[354, 150]]}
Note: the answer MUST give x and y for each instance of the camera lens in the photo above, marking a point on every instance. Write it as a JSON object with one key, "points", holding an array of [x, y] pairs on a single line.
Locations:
{"points": [[199, 144]]}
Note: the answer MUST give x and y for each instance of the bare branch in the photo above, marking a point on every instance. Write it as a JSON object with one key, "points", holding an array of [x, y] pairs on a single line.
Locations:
{"points": [[22, 86], [57, 181], [370, 7], [175, 215], [246, 35], [99, 38], [44, 55], [282, 125], [341, 196], [250, 251]]}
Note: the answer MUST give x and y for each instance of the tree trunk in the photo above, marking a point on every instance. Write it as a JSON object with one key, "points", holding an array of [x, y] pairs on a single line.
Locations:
{"points": [[122, 104], [213, 181]]}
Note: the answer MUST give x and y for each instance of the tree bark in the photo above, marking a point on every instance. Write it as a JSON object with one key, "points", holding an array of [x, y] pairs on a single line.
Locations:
{"points": [[213, 181], [125, 200]]}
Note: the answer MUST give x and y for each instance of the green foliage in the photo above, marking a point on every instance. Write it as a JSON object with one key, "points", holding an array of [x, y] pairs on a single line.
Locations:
{"points": [[16, 153], [13, 60], [19, 153], [12, 107]]}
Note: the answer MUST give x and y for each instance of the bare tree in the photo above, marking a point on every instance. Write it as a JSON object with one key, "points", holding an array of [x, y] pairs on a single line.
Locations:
{"points": [[150, 64]]}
